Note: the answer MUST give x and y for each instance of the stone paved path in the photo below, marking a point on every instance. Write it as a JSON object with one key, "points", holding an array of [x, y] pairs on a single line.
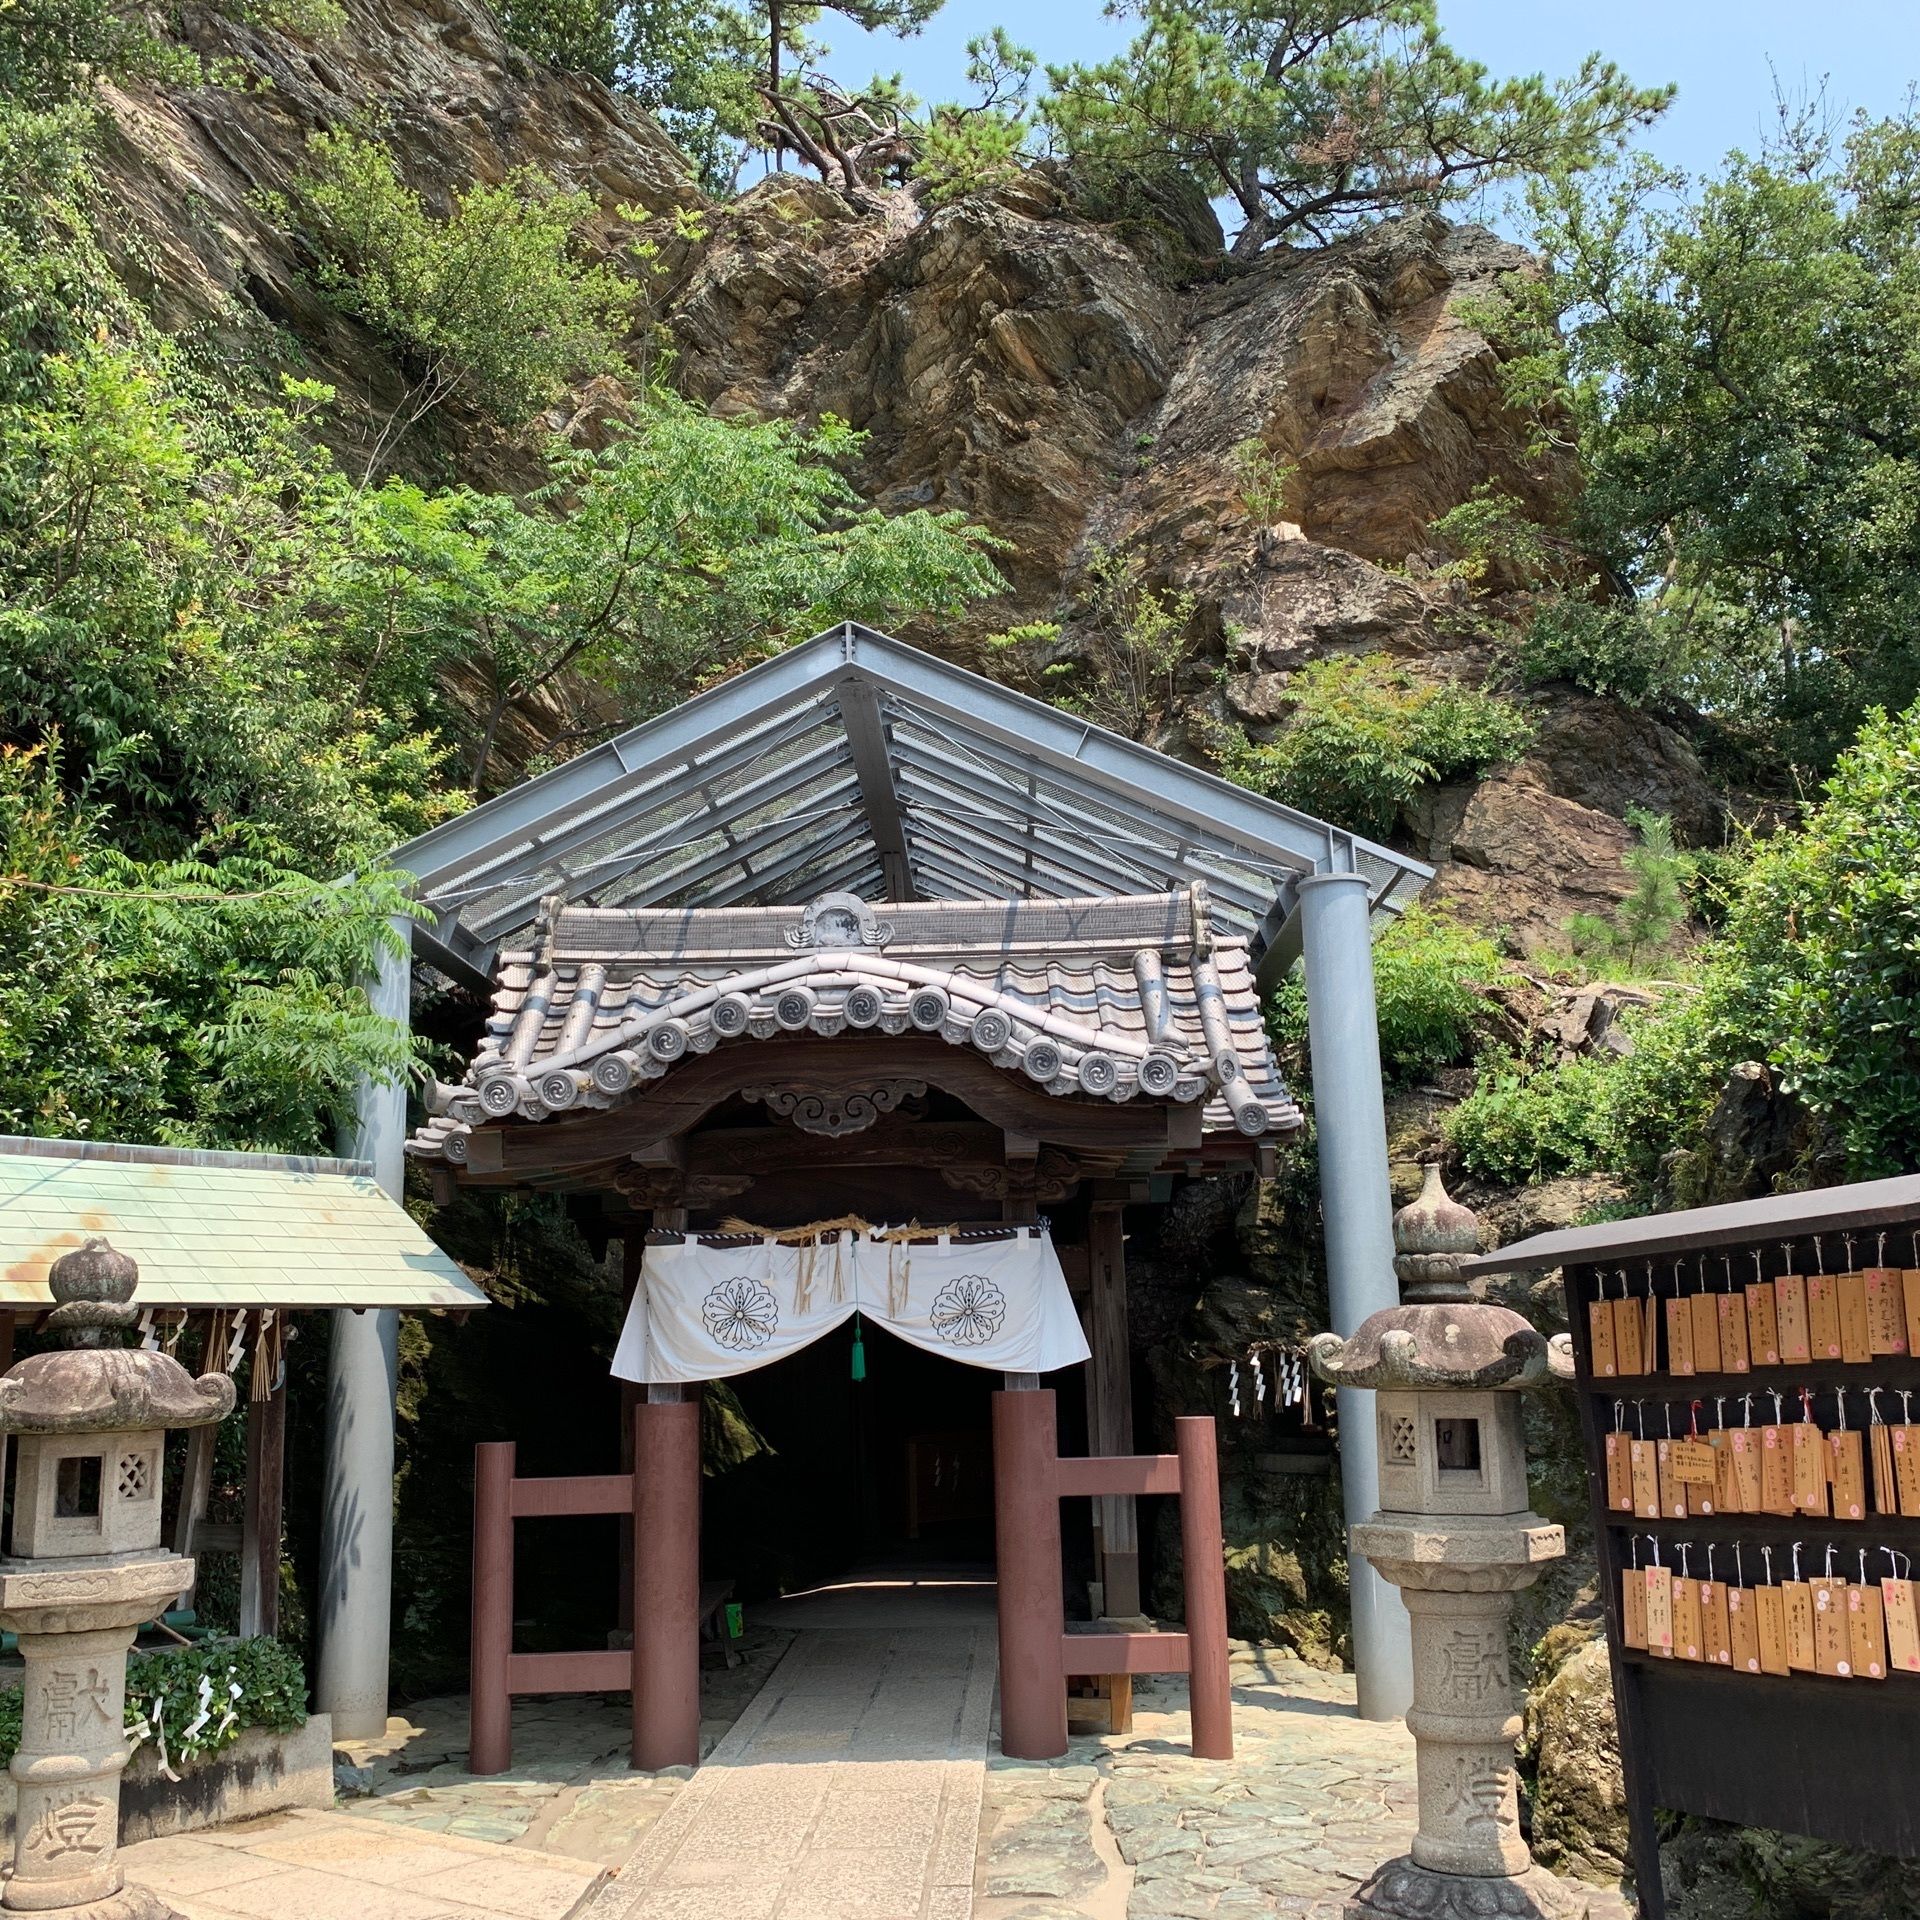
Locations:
{"points": [[570, 1789], [1130, 1827], [849, 1790], [325, 1866]]}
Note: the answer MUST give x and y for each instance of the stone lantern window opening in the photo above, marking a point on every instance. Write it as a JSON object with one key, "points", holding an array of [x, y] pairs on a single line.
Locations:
{"points": [[1456, 1445], [77, 1487]]}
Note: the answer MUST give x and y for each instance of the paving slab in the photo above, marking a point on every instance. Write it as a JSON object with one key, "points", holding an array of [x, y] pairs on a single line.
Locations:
{"points": [[304, 1865], [850, 1789]]}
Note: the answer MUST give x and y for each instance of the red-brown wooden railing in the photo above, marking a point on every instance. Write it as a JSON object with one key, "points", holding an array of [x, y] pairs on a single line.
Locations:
{"points": [[1036, 1653], [663, 1667]]}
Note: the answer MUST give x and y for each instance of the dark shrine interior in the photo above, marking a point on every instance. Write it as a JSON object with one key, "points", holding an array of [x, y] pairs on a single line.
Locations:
{"points": [[885, 1475]]}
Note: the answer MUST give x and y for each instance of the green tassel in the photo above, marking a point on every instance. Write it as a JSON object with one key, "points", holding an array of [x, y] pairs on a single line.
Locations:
{"points": [[859, 1351]]}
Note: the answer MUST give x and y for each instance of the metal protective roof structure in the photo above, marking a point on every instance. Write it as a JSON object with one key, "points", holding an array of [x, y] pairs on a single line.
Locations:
{"points": [[854, 762], [217, 1229]]}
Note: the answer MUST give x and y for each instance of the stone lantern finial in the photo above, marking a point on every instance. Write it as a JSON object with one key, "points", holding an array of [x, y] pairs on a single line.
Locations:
{"points": [[1431, 1237], [92, 1288]]}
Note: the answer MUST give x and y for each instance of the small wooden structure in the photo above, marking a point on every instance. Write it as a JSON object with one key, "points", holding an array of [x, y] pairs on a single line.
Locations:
{"points": [[238, 1243], [907, 1061], [1762, 1631], [858, 932]]}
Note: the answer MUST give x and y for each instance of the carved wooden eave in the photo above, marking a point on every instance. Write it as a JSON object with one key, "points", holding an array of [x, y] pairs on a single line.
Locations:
{"points": [[1123, 1030]]}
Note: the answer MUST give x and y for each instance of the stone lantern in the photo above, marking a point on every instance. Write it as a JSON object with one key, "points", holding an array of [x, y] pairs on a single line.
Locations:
{"points": [[89, 1421], [1456, 1535]]}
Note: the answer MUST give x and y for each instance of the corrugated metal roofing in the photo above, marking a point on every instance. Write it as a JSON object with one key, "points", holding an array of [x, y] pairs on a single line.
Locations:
{"points": [[1862, 1208], [855, 762], [217, 1229]]}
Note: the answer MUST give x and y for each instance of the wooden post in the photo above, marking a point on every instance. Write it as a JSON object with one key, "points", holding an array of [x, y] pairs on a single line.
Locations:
{"points": [[1203, 1553], [666, 1586], [633, 1246], [260, 1517], [1110, 1404], [489, 1704], [1032, 1607]]}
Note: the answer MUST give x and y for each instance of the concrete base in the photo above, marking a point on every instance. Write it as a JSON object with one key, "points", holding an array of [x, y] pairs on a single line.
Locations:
{"points": [[261, 1772], [1402, 1891], [130, 1903]]}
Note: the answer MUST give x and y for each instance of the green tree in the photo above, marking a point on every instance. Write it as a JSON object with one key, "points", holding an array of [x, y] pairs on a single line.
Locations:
{"points": [[1737, 365], [1656, 908], [1815, 973], [1314, 116], [492, 305], [683, 545]]}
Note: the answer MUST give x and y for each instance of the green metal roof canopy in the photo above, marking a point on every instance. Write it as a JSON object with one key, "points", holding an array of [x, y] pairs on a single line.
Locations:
{"points": [[856, 762], [218, 1229]]}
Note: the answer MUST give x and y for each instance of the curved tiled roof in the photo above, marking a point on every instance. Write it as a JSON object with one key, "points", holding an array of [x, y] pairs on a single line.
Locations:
{"points": [[1114, 998]]}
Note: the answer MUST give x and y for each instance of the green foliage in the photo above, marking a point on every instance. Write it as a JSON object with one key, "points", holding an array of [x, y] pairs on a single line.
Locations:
{"points": [[681, 546], [1525, 1123], [491, 305], [1815, 972], [1430, 973], [1626, 653], [272, 1693], [199, 1004], [1131, 639], [1264, 480], [1648, 918], [1365, 735], [1820, 958], [224, 665], [1735, 362], [51, 51], [1316, 116]]}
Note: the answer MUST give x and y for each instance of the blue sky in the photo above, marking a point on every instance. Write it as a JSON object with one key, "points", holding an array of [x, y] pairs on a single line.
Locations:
{"points": [[1722, 54]]}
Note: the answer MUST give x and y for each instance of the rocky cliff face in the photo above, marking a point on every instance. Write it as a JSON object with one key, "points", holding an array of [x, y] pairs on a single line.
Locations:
{"points": [[1076, 385]]}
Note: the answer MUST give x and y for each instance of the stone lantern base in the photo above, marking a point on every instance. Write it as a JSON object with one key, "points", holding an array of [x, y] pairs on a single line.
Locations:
{"points": [[1402, 1891], [75, 1620]]}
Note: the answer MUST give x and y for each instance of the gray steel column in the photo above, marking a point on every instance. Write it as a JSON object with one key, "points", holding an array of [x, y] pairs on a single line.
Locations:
{"points": [[1350, 1117], [356, 1527]]}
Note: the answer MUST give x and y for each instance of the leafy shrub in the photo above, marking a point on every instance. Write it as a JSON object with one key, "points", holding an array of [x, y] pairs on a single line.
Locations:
{"points": [[1365, 735], [1816, 972], [1524, 1123], [1621, 653], [1132, 639], [1820, 962], [248, 1683], [491, 303], [1428, 970]]}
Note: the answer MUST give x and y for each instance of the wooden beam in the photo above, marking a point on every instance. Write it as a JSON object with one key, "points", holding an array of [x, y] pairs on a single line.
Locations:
{"points": [[260, 1528], [1110, 1404], [196, 1486], [1082, 1653], [892, 1140]]}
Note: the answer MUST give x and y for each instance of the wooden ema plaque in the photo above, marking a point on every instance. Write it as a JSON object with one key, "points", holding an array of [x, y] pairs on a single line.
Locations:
{"points": [[1750, 1688]]}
